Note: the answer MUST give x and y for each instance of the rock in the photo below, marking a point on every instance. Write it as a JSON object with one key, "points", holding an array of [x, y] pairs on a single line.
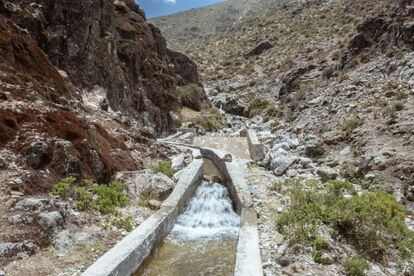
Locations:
{"points": [[281, 164], [177, 162], [346, 151], [284, 261], [184, 68], [97, 166], [227, 157], [314, 149], [399, 197], [146, 183], [327, 173], [66, 159], [63, 241], [304, 161], [32, 204], [37, 154], [232, 105], [260, 48], [50, 221], [326, 259], [289, 81], [369, 176], [2, 272], [154, 204], [9, 250]]}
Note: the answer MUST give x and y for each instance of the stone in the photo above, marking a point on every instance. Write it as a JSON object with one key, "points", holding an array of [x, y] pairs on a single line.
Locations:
{"points": [[284, 261], [36, 154], [304, 161], [32, 204], [399, 197], [63, 241], [50, 221], [154, 204], [369, 176], [327, 173], [281, 164], [289, 81], [260, 48], [145, 183], [9, 250], [177, 162], [66, 159], [346, 151]]}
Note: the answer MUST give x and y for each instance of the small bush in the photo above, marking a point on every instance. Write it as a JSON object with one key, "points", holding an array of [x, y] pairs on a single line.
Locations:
{"points": [[83, 199], [190, 96], [315, 151], [350, 124], [211, 121], [164, 166], [355, 266], [256, 106], [104, 198], [62, 188], [373, 222], [400, 95]]}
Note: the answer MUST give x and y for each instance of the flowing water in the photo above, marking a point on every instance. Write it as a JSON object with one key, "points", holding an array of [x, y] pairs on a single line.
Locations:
{"points": [[204, 239]]}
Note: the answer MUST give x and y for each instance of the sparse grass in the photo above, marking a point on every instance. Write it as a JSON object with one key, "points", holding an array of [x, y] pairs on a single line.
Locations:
{"points": [[164, 166], [256, 106], [350, 124], [372, 222], [400, 95], [190, 96], [355, 265], [273, 112], [211, 121]]}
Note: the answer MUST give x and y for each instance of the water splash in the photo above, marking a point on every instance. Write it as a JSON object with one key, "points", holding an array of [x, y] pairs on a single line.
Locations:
{"points": [[209, 215]]}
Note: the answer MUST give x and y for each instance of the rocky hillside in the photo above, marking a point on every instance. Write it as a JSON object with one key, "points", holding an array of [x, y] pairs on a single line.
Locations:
{"points": [[193, 27], [84, 88], [338, 76]]}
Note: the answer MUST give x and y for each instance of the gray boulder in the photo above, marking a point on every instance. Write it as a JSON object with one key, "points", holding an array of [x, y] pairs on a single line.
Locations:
{"points": [[260, 48], [50, 221], [327, 173], [146, 184]]}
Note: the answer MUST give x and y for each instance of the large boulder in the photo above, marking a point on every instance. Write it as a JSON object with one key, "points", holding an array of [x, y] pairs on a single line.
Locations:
{"points": [[146, 184]]}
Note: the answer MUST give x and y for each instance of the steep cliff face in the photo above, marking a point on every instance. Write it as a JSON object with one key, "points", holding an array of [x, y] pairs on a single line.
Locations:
{"points": [[110, 44], [84, 86]]}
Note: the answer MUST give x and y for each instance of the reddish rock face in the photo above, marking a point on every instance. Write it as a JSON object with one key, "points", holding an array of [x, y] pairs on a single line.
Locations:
{"points": [[44, 123]]}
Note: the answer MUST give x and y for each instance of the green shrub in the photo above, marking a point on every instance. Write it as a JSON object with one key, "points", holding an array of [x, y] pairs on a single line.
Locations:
{"points": [[62, 188], [355, 266], [350, 124], [190, 96], [373, 222], [104, 198], [400, 95], [109, 197], [164, 166], [83, 199]]}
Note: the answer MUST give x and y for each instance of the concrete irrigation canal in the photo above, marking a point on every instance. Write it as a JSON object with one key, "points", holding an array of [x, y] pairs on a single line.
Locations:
{"points": [[206, 226]]}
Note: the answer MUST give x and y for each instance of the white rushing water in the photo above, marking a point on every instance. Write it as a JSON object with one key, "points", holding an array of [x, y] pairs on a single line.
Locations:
{"points": [[209, 215]]}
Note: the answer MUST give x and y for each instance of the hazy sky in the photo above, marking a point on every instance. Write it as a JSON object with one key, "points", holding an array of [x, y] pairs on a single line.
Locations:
{"points": [[154, 8]]}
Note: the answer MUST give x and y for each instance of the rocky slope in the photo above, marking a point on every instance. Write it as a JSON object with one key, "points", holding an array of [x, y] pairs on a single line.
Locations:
{"points": [[196, 26], [338, 77], [84, 88]]}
